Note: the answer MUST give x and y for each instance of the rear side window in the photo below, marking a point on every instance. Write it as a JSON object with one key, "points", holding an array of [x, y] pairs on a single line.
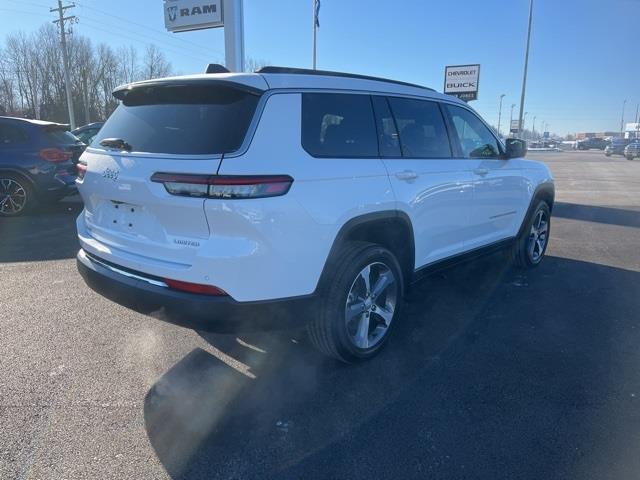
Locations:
{"points": [[421, 128], [182, 119], [10, 134], [338, 125], [476, 140]]}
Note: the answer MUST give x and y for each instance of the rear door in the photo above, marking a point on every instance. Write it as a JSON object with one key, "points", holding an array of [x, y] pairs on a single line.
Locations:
{"points": [[430, 185], [174, 129]]}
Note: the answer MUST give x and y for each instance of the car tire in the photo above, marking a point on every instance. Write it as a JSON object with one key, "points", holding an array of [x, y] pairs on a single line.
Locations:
{"points": [[348, 324], [17, 196], [531, 245]]}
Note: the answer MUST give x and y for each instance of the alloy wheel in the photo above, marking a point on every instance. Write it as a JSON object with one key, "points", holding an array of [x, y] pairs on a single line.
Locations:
{"points": [[538, 236], [13, 196], [371, 305]]}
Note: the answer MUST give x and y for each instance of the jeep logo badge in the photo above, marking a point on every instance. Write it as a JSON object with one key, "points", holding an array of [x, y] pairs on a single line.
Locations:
{"points": [[111, 174]]}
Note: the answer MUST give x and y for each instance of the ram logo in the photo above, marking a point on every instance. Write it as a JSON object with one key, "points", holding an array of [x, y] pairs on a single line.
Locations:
{"points": [[173, 13]]}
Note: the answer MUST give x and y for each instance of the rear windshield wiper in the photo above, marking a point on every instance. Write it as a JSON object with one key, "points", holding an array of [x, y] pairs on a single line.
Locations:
{"points": [[116, 143]]}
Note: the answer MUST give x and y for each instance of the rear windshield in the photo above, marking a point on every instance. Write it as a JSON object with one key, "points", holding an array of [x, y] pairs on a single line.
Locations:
{"points": [[58, 135], [184, 120]]}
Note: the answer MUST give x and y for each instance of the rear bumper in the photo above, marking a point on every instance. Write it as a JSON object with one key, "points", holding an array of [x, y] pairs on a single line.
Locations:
{"points": [[200, 312]]}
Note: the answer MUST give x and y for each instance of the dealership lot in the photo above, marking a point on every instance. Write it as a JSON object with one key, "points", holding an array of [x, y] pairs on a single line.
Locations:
{"points": [[492, 373]]}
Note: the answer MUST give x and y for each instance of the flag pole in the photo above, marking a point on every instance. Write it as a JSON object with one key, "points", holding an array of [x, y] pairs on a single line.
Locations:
{"points": [[315, 29]]}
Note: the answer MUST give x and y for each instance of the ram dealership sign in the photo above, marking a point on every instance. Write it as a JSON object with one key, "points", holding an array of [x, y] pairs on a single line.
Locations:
{"points": [[462, 81], [185, 15]]}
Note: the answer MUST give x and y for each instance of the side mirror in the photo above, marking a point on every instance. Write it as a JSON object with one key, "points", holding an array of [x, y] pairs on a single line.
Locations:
{"points": [[516, 148]]}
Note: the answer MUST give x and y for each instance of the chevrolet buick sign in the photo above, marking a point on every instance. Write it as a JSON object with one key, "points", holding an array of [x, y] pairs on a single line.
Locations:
{"points": [[462, 81], [185, 15]]}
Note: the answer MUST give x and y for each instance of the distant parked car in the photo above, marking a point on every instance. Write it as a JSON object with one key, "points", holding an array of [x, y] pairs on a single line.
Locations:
{"points": [[616, 147], [632, 150], [37, 163], [87, 132], [589, 143]]}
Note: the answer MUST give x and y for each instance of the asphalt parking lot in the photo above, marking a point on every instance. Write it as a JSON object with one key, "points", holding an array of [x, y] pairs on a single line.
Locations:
{"points": [[491, 374]]}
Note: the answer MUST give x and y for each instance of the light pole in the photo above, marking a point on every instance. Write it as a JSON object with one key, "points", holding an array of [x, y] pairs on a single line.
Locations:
{"points": [[500, 112], [624, 104], [523, 121], [533, 129], [511, 117], [526, 66]]}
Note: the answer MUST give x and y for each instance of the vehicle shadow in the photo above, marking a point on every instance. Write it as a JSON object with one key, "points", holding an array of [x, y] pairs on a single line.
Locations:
{"points": [[47, 233], [590, 213], [476, 356]]}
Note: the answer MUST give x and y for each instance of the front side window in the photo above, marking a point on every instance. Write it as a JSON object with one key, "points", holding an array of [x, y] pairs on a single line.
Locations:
{"points": [[475, 139], [338, 125], [421, 128]]}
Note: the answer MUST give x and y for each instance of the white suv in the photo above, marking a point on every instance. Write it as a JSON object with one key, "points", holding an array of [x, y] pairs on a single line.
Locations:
{"points": [[226, 200]]}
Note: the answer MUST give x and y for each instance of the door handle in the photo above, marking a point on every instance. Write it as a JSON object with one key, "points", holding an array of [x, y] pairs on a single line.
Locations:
{"points": [[481, 171], [406, 175]]}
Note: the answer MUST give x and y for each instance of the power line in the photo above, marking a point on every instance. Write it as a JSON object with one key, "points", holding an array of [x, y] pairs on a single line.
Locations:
{"points": [[162, 33], [96, 25]]}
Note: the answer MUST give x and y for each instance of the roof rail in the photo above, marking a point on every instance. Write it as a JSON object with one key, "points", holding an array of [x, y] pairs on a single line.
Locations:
{"points": [[306, 71], [216, 68]]}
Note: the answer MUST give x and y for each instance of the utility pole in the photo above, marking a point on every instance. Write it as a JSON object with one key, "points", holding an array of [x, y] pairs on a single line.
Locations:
{"points": [[526, 66], [624, 104], [65, 58], [500, 112]]}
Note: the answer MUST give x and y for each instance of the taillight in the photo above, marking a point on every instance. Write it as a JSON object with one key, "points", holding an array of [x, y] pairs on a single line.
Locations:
{"points": [[82, 169], [224, 186], [194, 288], [54, 155]]}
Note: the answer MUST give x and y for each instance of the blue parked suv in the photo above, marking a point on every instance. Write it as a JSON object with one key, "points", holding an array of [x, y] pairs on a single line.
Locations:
{"points": [[37, 163]]}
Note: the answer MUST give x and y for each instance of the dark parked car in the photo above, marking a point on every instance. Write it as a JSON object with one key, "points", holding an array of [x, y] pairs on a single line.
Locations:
{"points": [[589, 143], [37, 163], [616, 147], [632, 150], [87, 132]]}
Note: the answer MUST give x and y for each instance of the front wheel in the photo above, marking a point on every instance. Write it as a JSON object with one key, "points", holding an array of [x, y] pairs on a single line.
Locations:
{"points": [[361, 302], [531, 244]]}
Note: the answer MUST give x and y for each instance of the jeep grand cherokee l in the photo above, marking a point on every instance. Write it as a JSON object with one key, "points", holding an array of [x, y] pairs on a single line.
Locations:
{"points": [[297, 196]]}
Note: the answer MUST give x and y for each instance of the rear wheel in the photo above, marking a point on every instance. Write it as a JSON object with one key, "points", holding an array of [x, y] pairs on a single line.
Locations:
{"points": [[531, 245], [16, 195], [361, 302]]}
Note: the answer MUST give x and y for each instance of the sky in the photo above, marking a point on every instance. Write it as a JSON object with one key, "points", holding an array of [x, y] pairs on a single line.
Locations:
{"points": [[583, 62]]}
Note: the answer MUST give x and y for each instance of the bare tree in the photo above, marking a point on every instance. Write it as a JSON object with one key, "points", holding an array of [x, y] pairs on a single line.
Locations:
{"points": [[154, 63], [32, 75]]}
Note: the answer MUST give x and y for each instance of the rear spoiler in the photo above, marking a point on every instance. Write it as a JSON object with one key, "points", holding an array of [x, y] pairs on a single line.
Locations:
{"points": [[121, 92]]}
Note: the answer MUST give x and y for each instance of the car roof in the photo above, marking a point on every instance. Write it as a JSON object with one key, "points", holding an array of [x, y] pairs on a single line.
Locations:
{"points": [[269, 78], [31, 121]]}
